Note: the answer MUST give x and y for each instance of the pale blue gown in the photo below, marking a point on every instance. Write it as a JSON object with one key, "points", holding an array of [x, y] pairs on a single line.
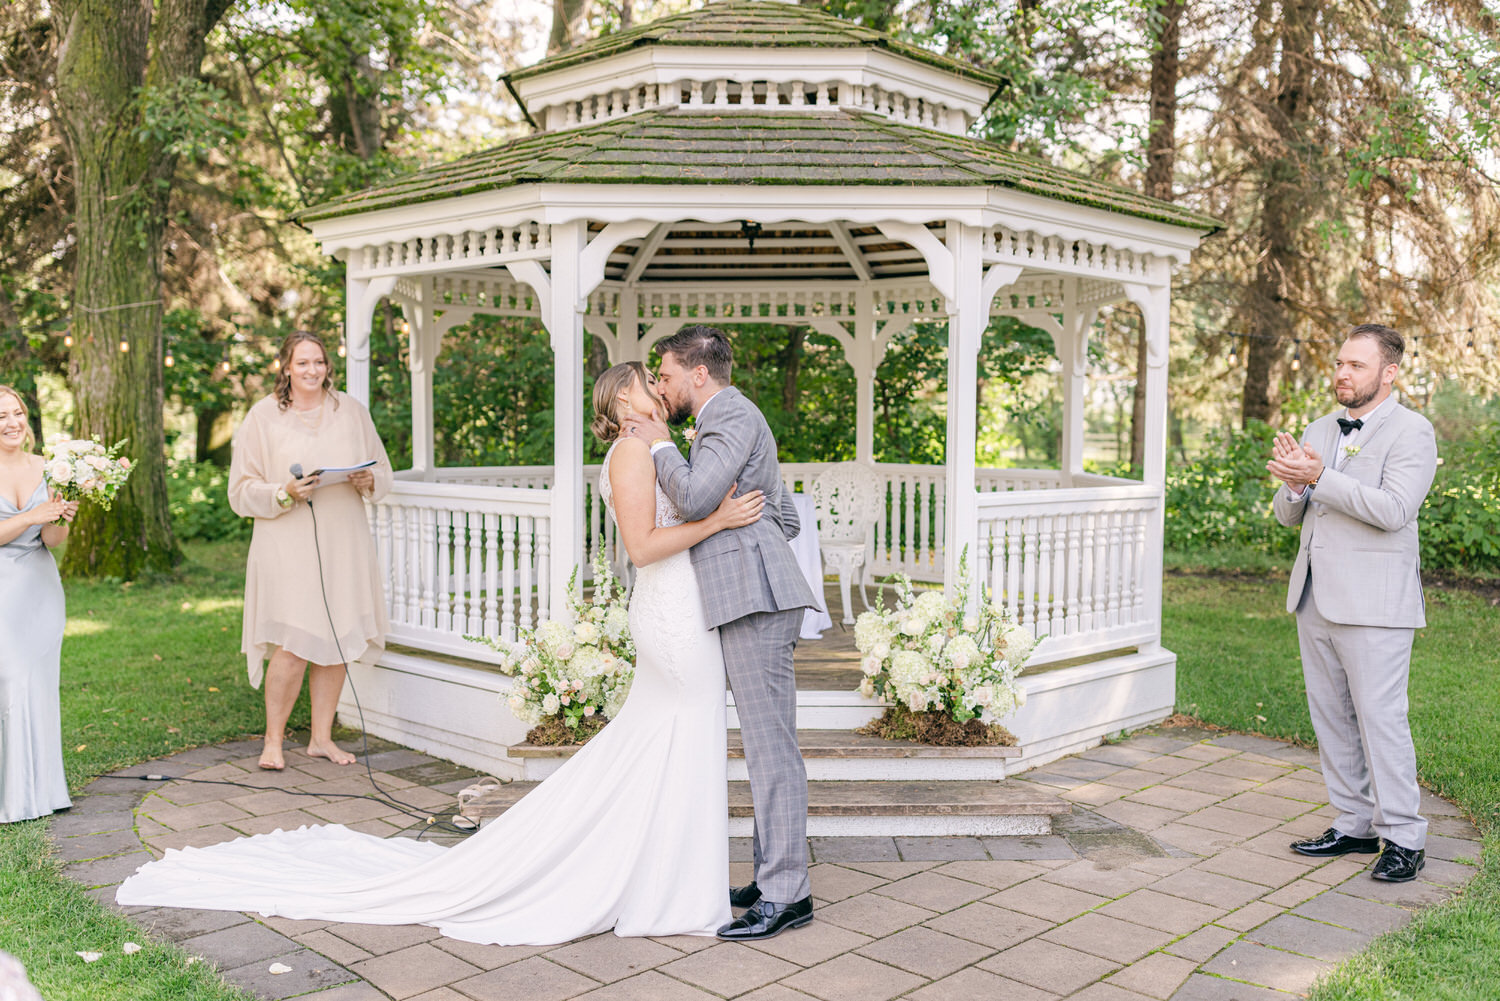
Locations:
{"points": [[32, 616]]}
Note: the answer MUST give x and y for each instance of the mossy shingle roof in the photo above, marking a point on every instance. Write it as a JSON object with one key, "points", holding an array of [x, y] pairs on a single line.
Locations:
{"points": [[681, 146], [752, 24]]}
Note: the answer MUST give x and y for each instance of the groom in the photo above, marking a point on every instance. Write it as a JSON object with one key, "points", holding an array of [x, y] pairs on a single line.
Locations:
{"points": [[754, 592]]}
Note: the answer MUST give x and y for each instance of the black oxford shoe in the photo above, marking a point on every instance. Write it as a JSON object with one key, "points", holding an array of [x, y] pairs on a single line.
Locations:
{"points": [[767, 920], [1331, 844], [744, 896], [1398, 865]]}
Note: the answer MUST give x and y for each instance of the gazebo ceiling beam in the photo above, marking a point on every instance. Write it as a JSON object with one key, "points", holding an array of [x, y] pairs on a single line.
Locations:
{"points": [[642, 257], [846, 242]]}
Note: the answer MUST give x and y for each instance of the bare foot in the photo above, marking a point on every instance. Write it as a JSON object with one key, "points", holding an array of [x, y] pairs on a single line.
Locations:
{"points": [[271, 758], [332, 752]]}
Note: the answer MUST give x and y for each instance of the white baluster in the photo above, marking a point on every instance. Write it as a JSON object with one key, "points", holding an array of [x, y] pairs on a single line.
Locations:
{"points": [[444, 570], [1046, 526], [524, 565], [398, 564], [492, 575], [543, 568], [427, 601], [507, 595], [475, 556]]}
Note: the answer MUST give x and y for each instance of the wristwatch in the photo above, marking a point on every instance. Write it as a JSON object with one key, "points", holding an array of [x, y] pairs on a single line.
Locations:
{"points": [[283, 498]]}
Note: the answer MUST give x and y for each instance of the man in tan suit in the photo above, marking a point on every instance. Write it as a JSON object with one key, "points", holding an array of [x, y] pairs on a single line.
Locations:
{"points": [[1355, 484]]}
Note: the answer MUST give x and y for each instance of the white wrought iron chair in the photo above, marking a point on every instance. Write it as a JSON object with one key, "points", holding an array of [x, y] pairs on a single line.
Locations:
{"points": [[847, 498]]}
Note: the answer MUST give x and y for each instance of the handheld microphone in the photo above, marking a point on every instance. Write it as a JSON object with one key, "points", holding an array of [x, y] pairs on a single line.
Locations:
{"points": [[296, 470]]}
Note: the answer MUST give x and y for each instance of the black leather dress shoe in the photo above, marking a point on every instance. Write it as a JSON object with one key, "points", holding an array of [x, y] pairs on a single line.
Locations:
{"points": [[1331, 843], [1398, 865], [744, 896], [767, 920]]}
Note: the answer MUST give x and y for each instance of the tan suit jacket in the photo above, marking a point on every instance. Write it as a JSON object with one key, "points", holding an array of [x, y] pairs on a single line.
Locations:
{"points": [[1359, 524]]}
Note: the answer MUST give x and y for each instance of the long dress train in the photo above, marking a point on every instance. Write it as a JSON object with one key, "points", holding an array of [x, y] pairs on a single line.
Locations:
{"points": [[32, 617], [630, 834]]}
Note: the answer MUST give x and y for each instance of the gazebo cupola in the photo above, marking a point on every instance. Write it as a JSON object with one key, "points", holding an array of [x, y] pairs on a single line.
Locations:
{"points": [[752, 56], [764, 162]]}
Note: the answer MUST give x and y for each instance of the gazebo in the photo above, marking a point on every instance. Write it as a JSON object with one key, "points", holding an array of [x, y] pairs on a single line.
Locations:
{"points": [[762, 162]]}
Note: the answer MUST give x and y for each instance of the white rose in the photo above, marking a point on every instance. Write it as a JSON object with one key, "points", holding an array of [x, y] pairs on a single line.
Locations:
{"points": [[564, 650], [871, 666], [60, 471], [881, 650], [551, 704], [586, 632], [961, 652]]}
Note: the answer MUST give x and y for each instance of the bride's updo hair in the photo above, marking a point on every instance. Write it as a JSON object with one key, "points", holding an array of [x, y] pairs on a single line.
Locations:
{"points": [[616, 379]]}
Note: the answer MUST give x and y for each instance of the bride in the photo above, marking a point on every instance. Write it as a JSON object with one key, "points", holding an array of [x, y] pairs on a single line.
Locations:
{"points": [[630, 834]]}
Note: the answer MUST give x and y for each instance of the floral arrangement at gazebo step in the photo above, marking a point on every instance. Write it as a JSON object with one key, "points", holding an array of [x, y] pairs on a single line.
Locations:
{"points": [[948, 672], [572, 674]]}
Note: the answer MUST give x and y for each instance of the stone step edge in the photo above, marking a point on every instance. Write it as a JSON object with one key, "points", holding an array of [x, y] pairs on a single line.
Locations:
{"points": [[811, 748], [856, 799]]}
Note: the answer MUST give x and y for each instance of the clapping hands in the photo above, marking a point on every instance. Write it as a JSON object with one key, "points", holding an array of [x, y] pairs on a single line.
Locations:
{"points": [[1293, 463]]}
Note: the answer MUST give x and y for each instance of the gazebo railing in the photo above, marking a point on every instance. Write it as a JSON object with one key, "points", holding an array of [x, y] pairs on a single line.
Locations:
{"points": [[1072, 571], [462, 559]]}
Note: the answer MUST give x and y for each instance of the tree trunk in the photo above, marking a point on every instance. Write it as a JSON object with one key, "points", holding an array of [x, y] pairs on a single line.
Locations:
{"points": [[567, 24], [122, 176], [1270, 308], [791, 368], [1161, 159]]}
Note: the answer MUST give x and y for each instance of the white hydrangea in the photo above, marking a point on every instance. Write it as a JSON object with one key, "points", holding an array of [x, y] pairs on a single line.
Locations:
{"points": [[961, 652], [870, 631], [616, 623], [931, 605], [586, 633]]}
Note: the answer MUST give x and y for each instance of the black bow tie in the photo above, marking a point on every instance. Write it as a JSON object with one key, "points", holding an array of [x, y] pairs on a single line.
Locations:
{"points": [[1345, 426]]}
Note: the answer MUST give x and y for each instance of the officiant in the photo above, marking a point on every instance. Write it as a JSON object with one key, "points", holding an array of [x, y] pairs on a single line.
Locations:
{"points": [[313, 594]]}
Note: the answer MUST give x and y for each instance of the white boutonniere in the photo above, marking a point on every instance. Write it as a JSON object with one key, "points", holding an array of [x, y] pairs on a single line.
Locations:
{"points": [[690, 430], [1350, 451]]}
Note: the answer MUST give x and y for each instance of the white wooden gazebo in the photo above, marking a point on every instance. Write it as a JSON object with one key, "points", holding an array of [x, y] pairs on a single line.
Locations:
{"points": [[763, 162]]}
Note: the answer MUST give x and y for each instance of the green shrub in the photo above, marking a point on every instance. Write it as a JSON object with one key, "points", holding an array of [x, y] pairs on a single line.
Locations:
{"points": [[198, 498], [1461, 520], [1222, 499]]}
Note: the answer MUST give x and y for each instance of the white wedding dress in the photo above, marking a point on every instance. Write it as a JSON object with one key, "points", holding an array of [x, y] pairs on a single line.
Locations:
{"points": [[630, 834]]}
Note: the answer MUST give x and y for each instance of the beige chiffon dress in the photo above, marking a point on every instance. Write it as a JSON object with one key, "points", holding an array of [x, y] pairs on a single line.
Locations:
{"points": [[284, 602]]}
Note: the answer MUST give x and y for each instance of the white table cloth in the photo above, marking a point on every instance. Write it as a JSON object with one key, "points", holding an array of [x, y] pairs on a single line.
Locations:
{"points": [[810, 558]]}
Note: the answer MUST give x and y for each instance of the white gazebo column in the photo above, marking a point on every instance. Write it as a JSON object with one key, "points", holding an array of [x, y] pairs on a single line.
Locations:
{"points": [[564, 322], [1073, 352], [361, 295], [1155, 303], [420, 324], [865, 359], [968, 314]]}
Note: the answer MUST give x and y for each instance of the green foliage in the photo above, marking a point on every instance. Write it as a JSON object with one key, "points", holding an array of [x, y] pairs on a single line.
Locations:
{"points": [[1222, 499], [1461, 519], [189, 118], [198, 499]]}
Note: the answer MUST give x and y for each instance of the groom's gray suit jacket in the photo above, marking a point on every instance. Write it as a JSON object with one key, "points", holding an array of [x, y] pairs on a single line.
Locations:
{"points": [[740, 570], [1359, 524]]}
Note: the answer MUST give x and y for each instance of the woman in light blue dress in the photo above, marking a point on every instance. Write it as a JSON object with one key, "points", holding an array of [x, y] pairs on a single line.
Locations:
{"points": [[32, 616]]}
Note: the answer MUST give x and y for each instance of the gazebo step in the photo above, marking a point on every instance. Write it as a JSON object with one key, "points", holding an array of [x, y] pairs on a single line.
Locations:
{"points": [[873, 809], [835, 756]]}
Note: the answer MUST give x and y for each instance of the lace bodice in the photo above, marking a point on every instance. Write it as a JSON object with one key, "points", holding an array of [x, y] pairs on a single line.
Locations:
{"points": [[666, 511]]}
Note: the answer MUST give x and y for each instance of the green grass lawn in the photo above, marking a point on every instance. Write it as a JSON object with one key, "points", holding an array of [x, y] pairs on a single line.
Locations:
{"points": [[1238, 667], [153, 667]]}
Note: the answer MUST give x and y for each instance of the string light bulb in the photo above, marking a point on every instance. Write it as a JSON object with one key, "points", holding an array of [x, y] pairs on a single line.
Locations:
{"points": [[169, 361], [124, 346], [275, 364], [1297, 357], [343, 351], [225, 365], [1234, 353]]}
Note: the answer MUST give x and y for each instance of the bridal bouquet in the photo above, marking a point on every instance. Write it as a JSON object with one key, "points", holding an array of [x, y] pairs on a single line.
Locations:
{"points": [[573, 673], [949, 671], [83, 469]]}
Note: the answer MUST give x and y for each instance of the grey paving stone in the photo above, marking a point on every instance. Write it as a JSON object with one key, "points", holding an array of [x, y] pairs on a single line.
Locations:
{"points": [[108, 802], [1120, 755], [813, 944], [236, 945], [1118, 845], [178, 923], [608, 957], [741, 850], [107, 871], [310, 972], [1048, 966], [853, 978], [1292, 933], [1104, 880], [979, 985], [1161, 742], [1248, 742], [1099, 935], [940, 849], [1205, 988], [355, 990], [926, 952], [83, 847], [422, 967], [649, 986], [1282, 971], [1202, 944], [727, 969], [872, 914], [67, 825], [1417, 893], [105, 895], [933, 891], [1448, 873], [1440, 847], [854, 849], [831, 883], [1356, 913], [998, 874], [988, 925], [1042, 846]]}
